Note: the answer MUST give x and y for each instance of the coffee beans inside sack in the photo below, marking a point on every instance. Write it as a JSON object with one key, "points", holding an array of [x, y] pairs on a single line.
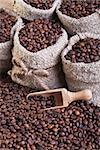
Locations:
{"points": [[36, 54], [39, 34], [86, 50], [80, 15], [79, 8], [41, 4], [81, 64], [31, 10], [8, 24]]}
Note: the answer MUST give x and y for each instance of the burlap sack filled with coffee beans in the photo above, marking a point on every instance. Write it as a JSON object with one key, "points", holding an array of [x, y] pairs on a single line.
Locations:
{"points": [[28, 12], [5, 47], [40, 70], [90, 23], [82, 75]]}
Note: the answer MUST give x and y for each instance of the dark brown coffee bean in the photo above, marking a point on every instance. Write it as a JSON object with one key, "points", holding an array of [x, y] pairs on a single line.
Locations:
{"points": [[83, 51], [6, 23], [79, 8], [41, 4], [77, 112], [39, 34]]}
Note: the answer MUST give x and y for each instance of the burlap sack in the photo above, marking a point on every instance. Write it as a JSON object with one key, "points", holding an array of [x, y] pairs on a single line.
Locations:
{"points": [[89, 23], [40, 70], [28, 12], [5, 48], [80, 76]]}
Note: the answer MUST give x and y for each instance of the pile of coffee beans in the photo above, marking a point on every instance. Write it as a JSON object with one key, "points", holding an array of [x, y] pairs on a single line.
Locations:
{"points": [[23, 126], [41, 4], [6, 23], [40, 34], [79, 8], [86, 50]]}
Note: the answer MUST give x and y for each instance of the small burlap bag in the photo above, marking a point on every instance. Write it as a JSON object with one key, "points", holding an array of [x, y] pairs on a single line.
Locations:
{"points": [[5, 48], [81, 76], [90, 23], [28, 12], [40, 70]]}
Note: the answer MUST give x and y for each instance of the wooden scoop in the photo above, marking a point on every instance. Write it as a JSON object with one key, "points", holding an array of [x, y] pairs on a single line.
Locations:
{"points": [[63, 97]]}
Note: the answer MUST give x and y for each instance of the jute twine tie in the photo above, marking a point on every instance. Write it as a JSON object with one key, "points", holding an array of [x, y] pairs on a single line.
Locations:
{"points": [[31, 72]]}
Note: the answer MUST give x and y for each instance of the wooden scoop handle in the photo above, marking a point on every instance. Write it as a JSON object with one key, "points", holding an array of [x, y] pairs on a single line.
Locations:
{"points": [[81, 95]]}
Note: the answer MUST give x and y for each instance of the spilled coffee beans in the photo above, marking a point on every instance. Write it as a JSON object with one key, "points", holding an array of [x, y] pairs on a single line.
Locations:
{"points": [[39, 34], [6, 23], [86, 50], [79, 8], [41, 4], [24, 127]]}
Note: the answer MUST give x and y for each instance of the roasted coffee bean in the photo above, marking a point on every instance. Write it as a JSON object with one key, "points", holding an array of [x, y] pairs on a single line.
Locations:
{"points": [[25, 21], [86, 50], [23, 126], [39, 34], [79, 8], [41, 4], [6, 23]]}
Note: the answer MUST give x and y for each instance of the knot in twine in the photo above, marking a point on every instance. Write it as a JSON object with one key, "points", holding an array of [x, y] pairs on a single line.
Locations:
{"points": [[34, 73]]}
